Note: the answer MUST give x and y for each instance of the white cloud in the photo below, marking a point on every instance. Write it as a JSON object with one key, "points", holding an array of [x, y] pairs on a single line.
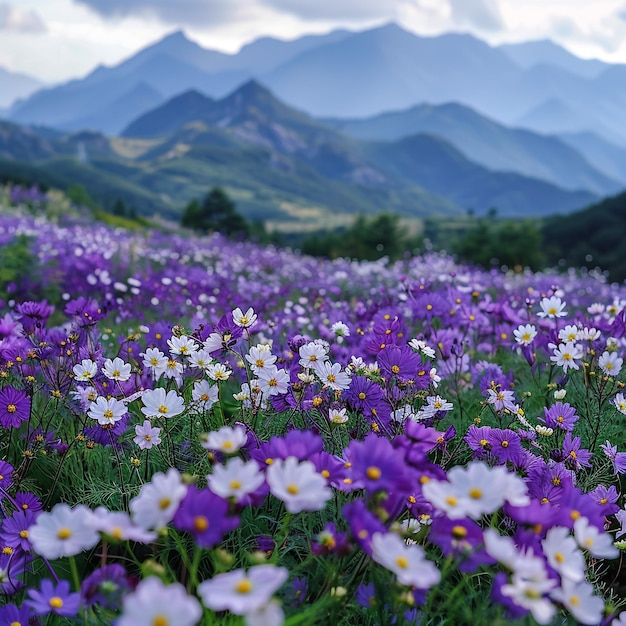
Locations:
{"points": [[14, 20], [483, 15]]}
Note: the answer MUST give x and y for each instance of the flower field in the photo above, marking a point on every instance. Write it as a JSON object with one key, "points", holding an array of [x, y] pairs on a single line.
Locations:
{"points": [[198, 431]]}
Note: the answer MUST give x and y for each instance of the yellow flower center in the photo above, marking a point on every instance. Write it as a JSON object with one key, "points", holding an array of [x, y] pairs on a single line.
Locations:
{"points": [[234, 484], [164, 503], [244, 586], [293, 489], [163, 409], [475, 493], [24, 534], [373, 473], [11, 408], [451, 500], [402, 562], [160, 620], [459, 532], [64, 533], [55, 602], [200, 523]]}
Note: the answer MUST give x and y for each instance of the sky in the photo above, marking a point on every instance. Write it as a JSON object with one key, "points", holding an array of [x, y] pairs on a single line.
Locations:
{"points": [[56, 40]]}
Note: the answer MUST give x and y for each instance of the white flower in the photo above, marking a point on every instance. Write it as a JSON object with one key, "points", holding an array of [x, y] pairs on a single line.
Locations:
{"points": [[272, 381], [435, 379], [340, 329], [174, 369], [155, 360], [420, 346], [620, 403], [330, 375], [118, 525], [559, 394], [218, 371], [525, 334], [147, 435], [437, 403], [407, 562], [244, 320], [589, 334], [236, 479], [200, 359], [269, 615], [529, 594], [107, 410], [242, 592], [85, 370], [260, 357], [579, 600], [213, 342], [183, 346], [502, 399], [204, 396], [501, 548], [226, 439], [298, 485], [566, 354], [337, 416], [598, 544], [552, 307], [156, 403], [311, 354], [155, 604], [569, 333], [545, 431], [116, 369], [563, 555], [610, 363], [64, 531], [158, 500]]}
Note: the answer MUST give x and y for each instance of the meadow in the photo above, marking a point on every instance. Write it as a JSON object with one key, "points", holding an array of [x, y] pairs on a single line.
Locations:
{"points": [[202, 431]]}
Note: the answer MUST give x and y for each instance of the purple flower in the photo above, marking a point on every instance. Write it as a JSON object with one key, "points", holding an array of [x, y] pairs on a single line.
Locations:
{"points": [[14, 407], [575, 457], [86, 312], [50, 599], [106, 586], [299, 443], [363, 524], [462, 539], [329, 541], [400, 362], [11, 614], [205, 516], [15, 529], [34, 315], [560, 415], [12, 565], [376, 465], [505, 444], [618, 458], [478, 439], [606, 498], [6, 475]]}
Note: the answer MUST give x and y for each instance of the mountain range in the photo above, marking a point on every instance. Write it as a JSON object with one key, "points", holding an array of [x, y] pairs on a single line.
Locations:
{"points": [[14, 86], [538, 85], [280, 165], [383, 120]]}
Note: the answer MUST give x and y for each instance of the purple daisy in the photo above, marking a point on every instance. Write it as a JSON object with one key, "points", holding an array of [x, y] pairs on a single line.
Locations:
{"points": [[14, 407], [205, 516], [50, 599], [560, 415]]}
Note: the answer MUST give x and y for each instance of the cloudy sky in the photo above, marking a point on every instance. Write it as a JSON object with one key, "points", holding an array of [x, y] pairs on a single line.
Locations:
{"points": [[60, 39]]}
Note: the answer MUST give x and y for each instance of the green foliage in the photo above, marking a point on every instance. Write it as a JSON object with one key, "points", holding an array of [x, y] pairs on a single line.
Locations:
{"points": [[594, 236], [79, 196], [216, 213], [369, 238], [488, 242]]}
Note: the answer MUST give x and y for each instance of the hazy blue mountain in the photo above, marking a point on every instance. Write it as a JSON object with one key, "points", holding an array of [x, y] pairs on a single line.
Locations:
{"points": [[168, 67], [252, 115], [388, 67], [606, 156], [545, 52], [436, 165], [14, 86], [24, 144], [488, 143]]}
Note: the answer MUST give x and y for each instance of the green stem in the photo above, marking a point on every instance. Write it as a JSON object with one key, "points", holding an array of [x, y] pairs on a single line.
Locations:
{"points": [[74, 570]]}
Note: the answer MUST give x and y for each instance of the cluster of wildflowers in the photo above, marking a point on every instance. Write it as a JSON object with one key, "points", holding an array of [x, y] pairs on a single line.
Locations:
{"points": [[377, 443]]}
